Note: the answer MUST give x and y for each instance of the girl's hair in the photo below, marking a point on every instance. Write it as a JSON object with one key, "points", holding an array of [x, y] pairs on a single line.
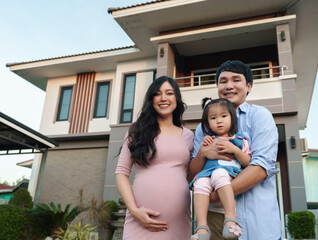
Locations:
{"points": [[143, 132], [222, 102]]}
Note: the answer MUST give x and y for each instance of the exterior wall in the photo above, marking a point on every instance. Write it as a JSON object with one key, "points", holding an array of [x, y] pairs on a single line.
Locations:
{"points": [[49, 125], [71, 167], [102, 124], [144, 74], [297, 193]]}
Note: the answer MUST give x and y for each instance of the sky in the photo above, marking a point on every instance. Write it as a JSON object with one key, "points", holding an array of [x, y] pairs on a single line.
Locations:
{"points": [[33, 30]]}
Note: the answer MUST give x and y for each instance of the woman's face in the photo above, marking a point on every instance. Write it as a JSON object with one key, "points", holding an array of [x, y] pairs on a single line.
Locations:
{"points": [[164, 100]]}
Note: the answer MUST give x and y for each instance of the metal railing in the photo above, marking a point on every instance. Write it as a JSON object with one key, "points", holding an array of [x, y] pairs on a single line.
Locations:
{"points": [[205, 79]]}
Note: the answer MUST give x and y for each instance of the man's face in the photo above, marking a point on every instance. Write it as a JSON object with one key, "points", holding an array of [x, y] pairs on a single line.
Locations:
{"points": [[232, 86]]}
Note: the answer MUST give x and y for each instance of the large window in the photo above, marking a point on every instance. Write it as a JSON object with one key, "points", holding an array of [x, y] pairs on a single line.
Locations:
{"points": [[128, 99], [101, 101], [64, 104]]}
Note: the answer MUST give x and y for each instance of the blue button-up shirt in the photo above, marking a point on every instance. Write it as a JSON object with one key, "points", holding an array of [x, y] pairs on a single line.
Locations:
{"points": [[257, 208]]}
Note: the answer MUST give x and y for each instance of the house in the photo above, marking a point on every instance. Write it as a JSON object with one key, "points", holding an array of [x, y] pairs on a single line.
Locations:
{"points": [[6, 192], [92, 98]]}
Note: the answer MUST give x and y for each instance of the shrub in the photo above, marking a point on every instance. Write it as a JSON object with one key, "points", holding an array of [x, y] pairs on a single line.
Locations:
{"points": [[13, 222], [76, 232], [22, 198], [51, 217], [301, 224]]}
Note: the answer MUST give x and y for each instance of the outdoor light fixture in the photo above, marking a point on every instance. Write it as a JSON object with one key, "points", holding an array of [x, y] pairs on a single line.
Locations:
{"points": [[282, 35], [162, 52], [293, 142]]}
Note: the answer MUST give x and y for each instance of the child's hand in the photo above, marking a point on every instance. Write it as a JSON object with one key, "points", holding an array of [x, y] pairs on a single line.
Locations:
{"points": [[226, 147], [207, 140]]}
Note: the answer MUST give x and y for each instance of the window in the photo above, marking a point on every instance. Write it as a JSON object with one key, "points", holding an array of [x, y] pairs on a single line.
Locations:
{"points": [[128, 99], [64, 104], [101, 101]]}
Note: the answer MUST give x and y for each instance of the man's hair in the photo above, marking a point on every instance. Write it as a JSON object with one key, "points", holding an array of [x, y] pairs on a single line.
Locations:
{"points": [[235, 66]]}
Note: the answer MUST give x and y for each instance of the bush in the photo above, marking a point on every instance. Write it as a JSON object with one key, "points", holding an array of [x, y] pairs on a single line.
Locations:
{"points": [[22, 198], [301, 224], [50, 217], [13, 222]]}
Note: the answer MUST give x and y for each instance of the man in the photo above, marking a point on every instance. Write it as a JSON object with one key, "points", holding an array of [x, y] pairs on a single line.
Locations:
{"points": [[255, 187]]}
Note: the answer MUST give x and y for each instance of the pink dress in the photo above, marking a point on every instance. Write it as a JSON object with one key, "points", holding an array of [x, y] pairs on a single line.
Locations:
{"points": [[163, 187]]}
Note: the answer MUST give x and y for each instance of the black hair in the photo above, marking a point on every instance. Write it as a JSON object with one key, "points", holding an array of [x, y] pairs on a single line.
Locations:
{"points": [[223, 102], [143, 132], [235, 66]]}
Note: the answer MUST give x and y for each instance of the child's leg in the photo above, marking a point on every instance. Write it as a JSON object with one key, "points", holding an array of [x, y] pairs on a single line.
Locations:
{"points": [[202, 191], [220, 180]]}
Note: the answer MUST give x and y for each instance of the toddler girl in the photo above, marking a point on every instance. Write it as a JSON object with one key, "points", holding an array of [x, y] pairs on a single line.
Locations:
{"points": [[219, 121]]}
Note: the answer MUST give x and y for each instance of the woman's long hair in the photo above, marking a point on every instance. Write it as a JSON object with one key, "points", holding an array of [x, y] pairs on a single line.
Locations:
{"points": [[222, 102], [143, 132]]}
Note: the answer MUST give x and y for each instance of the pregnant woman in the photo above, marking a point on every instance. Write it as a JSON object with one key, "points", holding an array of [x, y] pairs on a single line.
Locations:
{"points": [[159, 148]]}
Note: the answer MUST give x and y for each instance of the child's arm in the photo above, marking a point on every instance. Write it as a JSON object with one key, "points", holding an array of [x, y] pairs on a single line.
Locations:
{"points": [[207, 140], [228, 147]]}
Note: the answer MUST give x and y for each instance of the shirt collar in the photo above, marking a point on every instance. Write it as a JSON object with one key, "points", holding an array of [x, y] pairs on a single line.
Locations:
{"points": [[243, 107]]}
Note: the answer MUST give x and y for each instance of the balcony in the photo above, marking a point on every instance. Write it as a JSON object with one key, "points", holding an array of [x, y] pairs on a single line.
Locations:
{"points": [[207, 79], [268, 89]]}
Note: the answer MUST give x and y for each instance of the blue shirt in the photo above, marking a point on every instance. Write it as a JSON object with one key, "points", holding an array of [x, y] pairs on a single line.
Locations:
{"points": [[257, 208]]}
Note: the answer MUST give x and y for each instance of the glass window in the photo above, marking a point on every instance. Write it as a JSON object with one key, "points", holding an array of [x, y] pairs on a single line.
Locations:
{"points": [[101, 101], [64, 104], [128, 99]]}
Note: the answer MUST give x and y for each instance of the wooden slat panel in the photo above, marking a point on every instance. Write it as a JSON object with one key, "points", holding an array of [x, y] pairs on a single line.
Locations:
{"points": [[81, 110]]}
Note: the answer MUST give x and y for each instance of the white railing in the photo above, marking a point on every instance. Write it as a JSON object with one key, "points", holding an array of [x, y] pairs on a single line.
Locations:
{"points": [[204, 79]]}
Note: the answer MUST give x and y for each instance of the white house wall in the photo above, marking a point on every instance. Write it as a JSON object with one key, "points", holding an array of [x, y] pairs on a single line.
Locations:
{"points": [[102, 124], [144, 70], [49, 125]]}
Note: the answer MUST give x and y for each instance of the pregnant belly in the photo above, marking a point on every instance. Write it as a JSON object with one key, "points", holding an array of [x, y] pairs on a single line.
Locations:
{"points": [[163, 191]]}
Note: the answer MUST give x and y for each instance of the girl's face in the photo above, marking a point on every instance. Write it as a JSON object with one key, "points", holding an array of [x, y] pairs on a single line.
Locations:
{"points": [[164, 100], [219, 120]]}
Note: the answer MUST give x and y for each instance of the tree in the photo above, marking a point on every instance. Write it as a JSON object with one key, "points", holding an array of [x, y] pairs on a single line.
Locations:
{"points": [[22, 198]]}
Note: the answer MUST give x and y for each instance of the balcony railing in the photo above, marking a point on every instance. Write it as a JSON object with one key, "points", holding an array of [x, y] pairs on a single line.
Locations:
{"points": [[205, 79]]}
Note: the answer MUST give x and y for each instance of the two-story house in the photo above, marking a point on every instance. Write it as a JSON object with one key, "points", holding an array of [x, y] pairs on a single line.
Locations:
{"points": [[92, 98]]}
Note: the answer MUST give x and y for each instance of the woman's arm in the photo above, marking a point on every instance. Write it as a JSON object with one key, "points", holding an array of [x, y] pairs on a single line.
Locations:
{"points": [[142, 215]]}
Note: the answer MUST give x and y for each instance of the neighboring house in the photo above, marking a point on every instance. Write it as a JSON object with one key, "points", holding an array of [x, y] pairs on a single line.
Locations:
{"points": [[6, 192], [310, 165], [92, 98]]}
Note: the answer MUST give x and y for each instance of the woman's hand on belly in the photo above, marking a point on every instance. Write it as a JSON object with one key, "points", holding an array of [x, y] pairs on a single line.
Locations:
{"points": [[143, 216]]}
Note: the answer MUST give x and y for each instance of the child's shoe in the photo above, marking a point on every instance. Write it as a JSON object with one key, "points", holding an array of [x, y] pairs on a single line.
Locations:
{"points": [[233, 231], [205, 236]]}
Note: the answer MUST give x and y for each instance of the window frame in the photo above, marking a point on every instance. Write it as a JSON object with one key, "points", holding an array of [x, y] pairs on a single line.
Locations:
{"points": [[97, 96], [62, 89], [122, 111]]}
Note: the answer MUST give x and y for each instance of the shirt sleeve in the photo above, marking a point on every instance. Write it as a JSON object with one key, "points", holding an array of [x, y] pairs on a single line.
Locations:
{"points": [[198, 138], [125, 162], [264, 141]]}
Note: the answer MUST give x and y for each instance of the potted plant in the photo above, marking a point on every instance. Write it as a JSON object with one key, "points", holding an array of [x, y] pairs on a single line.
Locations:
{"points": [[301, 225]]}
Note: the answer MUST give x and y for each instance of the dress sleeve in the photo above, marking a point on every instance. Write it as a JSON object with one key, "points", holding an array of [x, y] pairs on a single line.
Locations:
{"points": [[246, 148], [264, 141], [125, 162]]}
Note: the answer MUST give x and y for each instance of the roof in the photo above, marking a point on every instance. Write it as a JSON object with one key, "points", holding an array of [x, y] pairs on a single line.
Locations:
{"points": [[15, 138], [111, 10], [68, 56], [2, 186]]}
